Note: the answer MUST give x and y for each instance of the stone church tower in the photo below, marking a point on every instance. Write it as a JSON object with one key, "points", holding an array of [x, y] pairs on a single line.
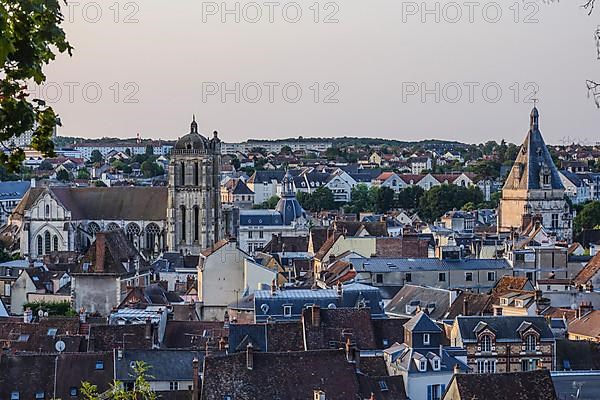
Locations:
{"points": [[194, 202], [533, 190]]}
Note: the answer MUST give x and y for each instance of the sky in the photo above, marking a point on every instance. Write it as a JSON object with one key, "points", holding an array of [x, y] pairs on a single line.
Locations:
{"points": [[393, 69]]}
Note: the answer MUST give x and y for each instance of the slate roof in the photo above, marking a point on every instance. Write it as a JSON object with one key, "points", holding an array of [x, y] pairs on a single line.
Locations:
{"points": [[290, 376], [33, 373], [477, 304], [533, 385], [241, 188], [388, 331], [421, 323], [13, 190], [338, 325], [96, 203], [36, 336], [110, 337], [111, 253], [420, 296], [505, 327], [425, 264], [165, 365], [190, 334], [278, 244], [260, 218], [532, 156], [153, 294], [374, 386]]}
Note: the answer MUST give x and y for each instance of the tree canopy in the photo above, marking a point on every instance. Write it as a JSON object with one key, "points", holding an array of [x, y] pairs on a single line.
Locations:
{"points": [[588, 217], [31, 37]]}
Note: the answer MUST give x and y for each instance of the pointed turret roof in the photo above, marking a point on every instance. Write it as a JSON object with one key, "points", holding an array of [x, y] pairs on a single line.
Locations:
{"points": [[533, 161]]}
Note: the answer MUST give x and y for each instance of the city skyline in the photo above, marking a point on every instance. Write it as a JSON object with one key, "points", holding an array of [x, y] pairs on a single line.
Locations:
{"points": [[387, 69]]}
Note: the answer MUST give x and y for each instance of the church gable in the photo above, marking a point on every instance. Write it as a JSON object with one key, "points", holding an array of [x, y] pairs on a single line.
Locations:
{"points": [[46, 207]]}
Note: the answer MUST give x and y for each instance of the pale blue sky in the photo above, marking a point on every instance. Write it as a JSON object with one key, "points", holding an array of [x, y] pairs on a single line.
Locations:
{"points": [[377, 54]]}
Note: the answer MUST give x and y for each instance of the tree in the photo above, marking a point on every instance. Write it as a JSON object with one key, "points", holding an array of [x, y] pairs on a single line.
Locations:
{"points": [[31, 37], [409, 197], [96, 157], [384, 199], [45, 166], [362, 200], [236, 163], [141, 388], [285, 150], [268, 204], [62, 308], [441, 199], [588, 217], [151, 169], [321, 199], [83, 174], [63, 175]]}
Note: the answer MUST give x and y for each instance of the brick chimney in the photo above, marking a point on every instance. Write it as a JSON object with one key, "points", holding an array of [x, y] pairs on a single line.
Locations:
{"points": [[250, 356], [315, 311], [148, 329], [465, 309], [100, 252], [456, 369]]}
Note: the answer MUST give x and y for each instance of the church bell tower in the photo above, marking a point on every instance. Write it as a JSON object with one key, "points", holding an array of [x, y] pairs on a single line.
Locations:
{"points": [[194, 202]]}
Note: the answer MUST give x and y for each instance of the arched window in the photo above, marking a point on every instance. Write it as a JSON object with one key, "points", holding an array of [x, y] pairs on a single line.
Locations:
{"points": [[183, 225], [196, 173], [133, 231], [54, 243], [47, 211], [47, 242], [40, 245], [486, 343], [112, 227], [196, 223], [152, 234], [93, 228], [530, 342], [182, 173]]}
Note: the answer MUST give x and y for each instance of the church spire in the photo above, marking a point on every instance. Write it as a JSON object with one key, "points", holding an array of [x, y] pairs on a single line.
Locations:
{"points": [[534, 118], [194, 126]]}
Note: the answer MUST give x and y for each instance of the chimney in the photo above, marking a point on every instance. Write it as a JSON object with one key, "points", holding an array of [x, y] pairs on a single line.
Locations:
{"points": [[28, 316], [319, 395], [315, 315], [538, 295], [33, 183], [250, 356], [456, 369], [349, 352], [273, 288], [465, 309], [222, 344], [226, 320], [148, 330], [195, 380], [340, 289], [100, 252]]}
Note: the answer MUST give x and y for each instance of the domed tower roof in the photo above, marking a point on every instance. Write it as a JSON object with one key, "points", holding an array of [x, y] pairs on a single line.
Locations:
{"points": [[288, 206], [193, 140]]}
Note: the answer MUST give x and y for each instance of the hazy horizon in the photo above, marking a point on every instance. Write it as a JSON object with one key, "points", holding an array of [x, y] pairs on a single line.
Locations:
{"points": [[156, 72]]}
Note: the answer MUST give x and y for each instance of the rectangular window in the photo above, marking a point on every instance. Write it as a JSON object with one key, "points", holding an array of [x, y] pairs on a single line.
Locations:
{"points": [[426, 338], [287, 311], [442, 277], [7, 289], [491, 276], [260, 234], [99, 364], [554, 221], [14, 396], [408, 277], [529, 276], [174, 385], [379, 278], [249, 234], [469, 276], [73, 392], [39, 395], [434, 392]]}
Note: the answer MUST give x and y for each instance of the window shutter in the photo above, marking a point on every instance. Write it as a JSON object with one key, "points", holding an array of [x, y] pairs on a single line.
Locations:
{"points": [[443, 390], [429, 392]]}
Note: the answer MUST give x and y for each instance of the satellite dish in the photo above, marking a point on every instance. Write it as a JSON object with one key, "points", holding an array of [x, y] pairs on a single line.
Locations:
{"points": [[60, 346]]}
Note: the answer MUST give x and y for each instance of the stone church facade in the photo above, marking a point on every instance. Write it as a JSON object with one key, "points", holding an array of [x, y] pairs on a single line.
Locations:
{"points": [[194, 215], [533, 190], [185, 216]]}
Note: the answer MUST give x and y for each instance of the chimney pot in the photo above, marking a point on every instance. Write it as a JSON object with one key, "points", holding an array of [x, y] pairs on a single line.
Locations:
{"points": [[316, 315], [456, 369], [250, 356]]}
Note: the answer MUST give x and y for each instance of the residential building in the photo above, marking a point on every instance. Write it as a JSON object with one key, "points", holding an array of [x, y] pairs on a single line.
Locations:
{"points": [[505, 343], [424, 363], [11, 194]]}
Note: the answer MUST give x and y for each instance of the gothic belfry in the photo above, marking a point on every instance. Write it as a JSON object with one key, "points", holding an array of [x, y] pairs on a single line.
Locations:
{"points": [[194, 202], [533, 190]]}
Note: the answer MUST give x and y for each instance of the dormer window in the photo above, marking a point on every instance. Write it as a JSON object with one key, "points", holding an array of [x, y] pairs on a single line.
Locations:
{"points": [[436, 364], [485, 343], [422, 366], [530, 343]]}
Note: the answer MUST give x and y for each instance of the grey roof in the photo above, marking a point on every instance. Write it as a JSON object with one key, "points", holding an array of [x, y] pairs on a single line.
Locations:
{"points": [[165, 365], [506, 328], [290, 209], [240, 335], [260, 218], [13, 190], [437, 301], [532, 157], [574, 178], [421, 323], [425, 264], [241, 188]]}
